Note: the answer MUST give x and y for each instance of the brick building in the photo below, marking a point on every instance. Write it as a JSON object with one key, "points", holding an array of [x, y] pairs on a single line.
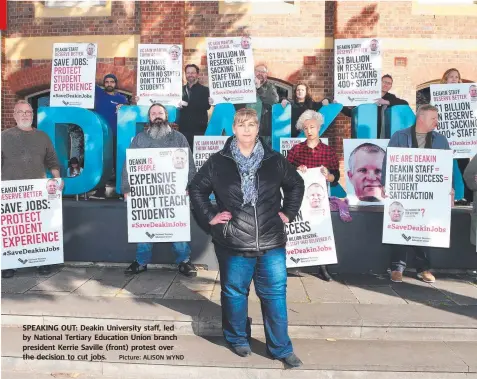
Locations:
{"points": [[294, 38]]}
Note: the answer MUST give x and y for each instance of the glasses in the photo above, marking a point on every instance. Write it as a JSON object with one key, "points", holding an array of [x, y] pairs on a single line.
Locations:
{"points": [[24, 113]]}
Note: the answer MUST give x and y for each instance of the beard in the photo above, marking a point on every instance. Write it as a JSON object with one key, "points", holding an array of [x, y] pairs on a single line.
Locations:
{"points": [[24, 125], [109, 89], [159, 128]]}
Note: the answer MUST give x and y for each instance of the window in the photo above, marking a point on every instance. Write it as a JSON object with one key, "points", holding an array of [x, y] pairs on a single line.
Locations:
{"points": [[69, 4]]}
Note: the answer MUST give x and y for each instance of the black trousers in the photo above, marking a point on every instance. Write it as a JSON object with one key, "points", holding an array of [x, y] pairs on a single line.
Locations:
{"points": [[468, 194], [399, 257]]}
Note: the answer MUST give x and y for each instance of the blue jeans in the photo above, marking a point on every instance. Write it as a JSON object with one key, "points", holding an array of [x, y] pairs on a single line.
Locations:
{"points": [[269, 273], [144, 252]]}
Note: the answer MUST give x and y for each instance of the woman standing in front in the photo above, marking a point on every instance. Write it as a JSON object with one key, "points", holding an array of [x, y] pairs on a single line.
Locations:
{"points": [[248, 233]]}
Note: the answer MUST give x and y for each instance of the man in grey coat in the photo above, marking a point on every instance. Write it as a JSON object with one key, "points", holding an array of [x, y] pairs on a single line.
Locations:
{"points": [[421, 136], [159, 134]]}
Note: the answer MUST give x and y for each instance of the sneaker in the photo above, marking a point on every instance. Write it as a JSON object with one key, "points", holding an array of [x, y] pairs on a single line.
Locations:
{"points": [[242, 351], [6, 274], [396, 276], [292, 361], [426, 276], [44, 270], [187, 269], [135, 268]]}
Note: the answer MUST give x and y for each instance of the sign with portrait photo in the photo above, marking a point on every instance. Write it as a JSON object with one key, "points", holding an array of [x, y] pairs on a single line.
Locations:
{"points": [[417, 209], [158, 205], [363, 161], [358, 65], [159, 74], [32, 223], [73, 75], [311, 240], [231, 70], [457, 107]]}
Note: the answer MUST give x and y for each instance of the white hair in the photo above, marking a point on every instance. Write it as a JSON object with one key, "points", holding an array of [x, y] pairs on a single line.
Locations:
{"points": [[309, 115]]}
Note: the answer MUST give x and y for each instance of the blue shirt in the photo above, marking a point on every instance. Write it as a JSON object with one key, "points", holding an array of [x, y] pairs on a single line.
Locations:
{"points": [[105, 105]]}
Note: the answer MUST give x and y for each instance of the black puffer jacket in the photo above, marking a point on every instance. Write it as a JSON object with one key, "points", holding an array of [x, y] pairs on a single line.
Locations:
{"points": [[251, 229]]}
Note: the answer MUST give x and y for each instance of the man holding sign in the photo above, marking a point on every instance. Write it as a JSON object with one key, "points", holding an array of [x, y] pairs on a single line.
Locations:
{"points": [[27, 153], [422, 135], [159, 134]]}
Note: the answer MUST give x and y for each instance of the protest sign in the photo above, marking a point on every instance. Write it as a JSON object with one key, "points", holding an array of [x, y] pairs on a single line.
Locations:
{"points": [[159, 74], [32, 223], [158, 206], [231, 70], [457, 105], [311, 240], [363, 161], [358, 65], [73, 73], [417, 209], [205, 146], [287, 143]]}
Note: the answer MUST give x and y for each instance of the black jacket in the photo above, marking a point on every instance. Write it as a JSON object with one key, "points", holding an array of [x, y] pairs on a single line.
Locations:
{"points": [[393, 100], [193, 119], [251, 229]]}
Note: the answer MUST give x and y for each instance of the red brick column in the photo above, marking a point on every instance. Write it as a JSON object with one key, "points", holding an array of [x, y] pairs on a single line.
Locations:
{"points": [[162, 22]]}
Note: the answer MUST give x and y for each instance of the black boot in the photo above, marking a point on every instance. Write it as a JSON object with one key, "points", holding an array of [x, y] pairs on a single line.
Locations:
{"points": [[292, 361], [44, 270], [135, 268], [187, 269], [242, 351], [6, 274], [325, 274]]}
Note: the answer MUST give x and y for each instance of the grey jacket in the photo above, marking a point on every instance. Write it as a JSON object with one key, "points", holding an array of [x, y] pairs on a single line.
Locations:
{"points": [[144, 141], [403, 138], [469, 178]]}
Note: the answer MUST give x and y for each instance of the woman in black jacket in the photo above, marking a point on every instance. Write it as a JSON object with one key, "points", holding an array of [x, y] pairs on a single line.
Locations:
{"points": [[302, 100], [247, 228]]}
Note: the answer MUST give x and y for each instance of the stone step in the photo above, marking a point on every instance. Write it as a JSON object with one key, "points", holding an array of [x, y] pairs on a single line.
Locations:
{"points": [[397, 322], [199, 357]]}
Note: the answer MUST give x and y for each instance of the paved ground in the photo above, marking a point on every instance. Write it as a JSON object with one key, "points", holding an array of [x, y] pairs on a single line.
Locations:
{"points": [[306, 288], [357, 327]]}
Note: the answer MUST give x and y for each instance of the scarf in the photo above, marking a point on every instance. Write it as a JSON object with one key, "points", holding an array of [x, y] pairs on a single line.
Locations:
{"points": [[248, 167], [341, 206]]}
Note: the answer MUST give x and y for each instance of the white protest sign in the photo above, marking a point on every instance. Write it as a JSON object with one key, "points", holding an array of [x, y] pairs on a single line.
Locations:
{"points": [[158, 206], [286, 144], [32, 223], [159, 74], [417, 209], [205, 146], [73, 73], [358, 65], [231, 70], [457, 105], [363, 164], [311, 240]]}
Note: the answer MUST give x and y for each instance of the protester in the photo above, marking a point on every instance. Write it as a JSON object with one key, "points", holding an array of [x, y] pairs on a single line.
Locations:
{"points": [[386, 101], [196, 101], [247, 229], [314, 153], [159, 134], [422, 135], [27, 153], [74, 168], [107, 104], [365, 171], [268, 95], [470, 178], [452, 76], [302, 100]]}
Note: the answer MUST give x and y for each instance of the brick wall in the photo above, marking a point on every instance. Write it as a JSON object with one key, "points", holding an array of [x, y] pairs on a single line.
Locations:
{"points": [[124, 19], [176, 21]]}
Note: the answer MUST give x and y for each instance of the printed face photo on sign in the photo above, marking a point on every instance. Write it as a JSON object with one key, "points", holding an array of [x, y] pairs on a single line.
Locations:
{"points": [[175, 52], [90, 49], [396, 211], [315, 194], [364, 171], [374, 46], [179, 159], [473, 92], [245, 42], [51, 186]]}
